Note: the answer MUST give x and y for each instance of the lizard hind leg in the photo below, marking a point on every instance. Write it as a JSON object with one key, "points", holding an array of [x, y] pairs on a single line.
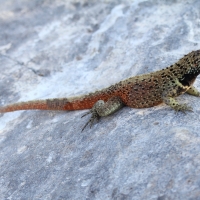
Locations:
{"points": [[102, 109]]}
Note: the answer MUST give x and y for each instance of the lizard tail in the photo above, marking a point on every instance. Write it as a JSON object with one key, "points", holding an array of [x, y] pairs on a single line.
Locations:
{"points": [[29, 105], [76, 103]]}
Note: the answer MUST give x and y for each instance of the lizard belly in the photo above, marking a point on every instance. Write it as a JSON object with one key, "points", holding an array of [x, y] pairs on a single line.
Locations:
{"points": [[142, 98], [143, 101]]}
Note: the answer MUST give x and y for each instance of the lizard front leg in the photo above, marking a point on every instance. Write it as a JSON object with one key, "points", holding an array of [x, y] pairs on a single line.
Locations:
{"points": [[169, 95], [102, 109], [193, 91]]}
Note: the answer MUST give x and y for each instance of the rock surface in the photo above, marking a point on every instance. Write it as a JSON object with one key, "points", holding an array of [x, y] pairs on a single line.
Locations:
{"points": [[68, 48]]}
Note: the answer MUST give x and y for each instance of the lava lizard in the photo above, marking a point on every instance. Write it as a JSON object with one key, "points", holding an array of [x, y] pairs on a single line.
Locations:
{"points": [[137, 92]]}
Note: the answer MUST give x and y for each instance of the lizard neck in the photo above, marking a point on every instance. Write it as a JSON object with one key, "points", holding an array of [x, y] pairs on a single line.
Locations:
{"points": [[187, 68], [188, 78]]}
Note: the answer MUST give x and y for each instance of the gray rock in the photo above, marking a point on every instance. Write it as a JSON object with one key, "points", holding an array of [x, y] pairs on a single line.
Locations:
{"points": [[68, 48]]}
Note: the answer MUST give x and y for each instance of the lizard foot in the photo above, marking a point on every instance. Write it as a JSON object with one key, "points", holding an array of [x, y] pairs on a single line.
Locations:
{"points": [[183, 108], [102, 109], [95, 117]]}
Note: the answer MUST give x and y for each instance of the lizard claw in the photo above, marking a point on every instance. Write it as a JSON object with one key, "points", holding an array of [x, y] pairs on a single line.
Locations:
{"points": [[94, 117], [87, 113], [183, 108]]}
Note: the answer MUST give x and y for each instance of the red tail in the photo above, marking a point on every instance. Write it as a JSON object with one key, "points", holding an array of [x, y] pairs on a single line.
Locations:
{"points": [[77, 103]]}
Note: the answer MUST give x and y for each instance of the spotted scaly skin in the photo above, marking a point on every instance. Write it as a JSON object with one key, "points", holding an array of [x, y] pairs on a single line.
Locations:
{"points": [[137, 92]]}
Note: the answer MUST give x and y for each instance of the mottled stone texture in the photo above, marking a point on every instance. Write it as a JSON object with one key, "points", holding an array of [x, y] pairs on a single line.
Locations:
{"points": [[57, 48]]}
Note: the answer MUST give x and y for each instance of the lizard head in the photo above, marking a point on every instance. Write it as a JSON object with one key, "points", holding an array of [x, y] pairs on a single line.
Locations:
{"points": [[188, 68], [192, 61]]}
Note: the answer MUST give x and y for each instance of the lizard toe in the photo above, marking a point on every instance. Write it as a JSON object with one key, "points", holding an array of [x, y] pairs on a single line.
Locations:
{"points": [[95, 117], [183, 108]]}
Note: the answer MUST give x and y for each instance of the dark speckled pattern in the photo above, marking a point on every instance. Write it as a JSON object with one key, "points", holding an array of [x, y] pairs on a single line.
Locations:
{"points": [[138, 92]]}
